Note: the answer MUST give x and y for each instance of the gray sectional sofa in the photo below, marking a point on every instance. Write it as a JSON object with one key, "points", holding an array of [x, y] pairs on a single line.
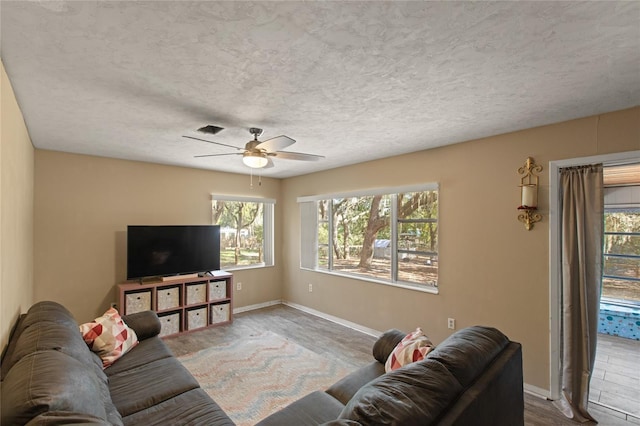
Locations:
{"points": [[50, 377], [473, 378]]}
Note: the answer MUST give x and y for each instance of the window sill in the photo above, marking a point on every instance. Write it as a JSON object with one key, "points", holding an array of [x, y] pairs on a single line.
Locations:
{"points": [[245, 267], [407, 286]]}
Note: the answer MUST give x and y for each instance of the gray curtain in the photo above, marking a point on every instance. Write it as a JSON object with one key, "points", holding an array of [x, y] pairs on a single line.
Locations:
{"points": [[582, 238]]}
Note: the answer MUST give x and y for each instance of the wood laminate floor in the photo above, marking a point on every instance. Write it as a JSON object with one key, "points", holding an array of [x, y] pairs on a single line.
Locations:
{"points": [[616, 376], [352, 347]]}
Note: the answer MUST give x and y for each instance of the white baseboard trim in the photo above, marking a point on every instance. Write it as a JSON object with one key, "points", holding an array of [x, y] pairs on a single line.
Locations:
{"points": [[256, 306], [536, 391], [353, 325], [530, 389]]}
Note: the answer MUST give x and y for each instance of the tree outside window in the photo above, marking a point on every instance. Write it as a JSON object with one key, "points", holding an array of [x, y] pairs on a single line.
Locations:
{"points": [[391, 237], [242, 232], [621, 271]]}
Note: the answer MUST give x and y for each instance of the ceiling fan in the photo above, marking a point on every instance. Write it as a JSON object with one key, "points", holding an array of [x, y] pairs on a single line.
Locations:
{"points": [[257, 154]]}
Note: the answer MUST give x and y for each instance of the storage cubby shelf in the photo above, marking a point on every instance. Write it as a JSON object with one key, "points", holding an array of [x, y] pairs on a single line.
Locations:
{"points": [[182, 304]]}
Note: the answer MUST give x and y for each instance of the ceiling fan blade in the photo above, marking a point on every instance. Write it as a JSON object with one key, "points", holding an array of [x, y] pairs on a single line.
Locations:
{"points": [[269, 163], [217, 143], [297, 156], [217, 155], [276, 144]]}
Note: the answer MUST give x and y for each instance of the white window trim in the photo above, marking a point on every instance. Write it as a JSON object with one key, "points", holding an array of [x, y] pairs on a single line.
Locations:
{"points": [[268, 223], [242, 198], [370, 192], [610, 207], [308, 214]]}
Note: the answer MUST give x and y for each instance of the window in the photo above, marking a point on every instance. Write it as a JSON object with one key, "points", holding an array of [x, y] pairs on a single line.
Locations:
{"points": [[621, 269], [246, 231], [621, 250], [388, 235]]}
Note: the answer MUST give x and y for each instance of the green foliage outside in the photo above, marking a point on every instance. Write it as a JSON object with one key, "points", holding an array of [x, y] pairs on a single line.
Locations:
{"points": [[359, 221], [623, 267], [241, 237]]}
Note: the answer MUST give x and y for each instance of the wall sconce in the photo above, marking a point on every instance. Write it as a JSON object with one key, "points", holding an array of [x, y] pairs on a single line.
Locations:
{"points": [[529, 193]]}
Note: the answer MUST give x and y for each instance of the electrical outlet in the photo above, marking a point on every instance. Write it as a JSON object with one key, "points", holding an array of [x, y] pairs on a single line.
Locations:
{"points": [[238, 286], [451, 323], [310, 288]]}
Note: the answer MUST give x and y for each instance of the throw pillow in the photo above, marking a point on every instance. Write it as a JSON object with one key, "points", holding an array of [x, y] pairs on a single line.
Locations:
{"points": [[109, 337], [414, 347]]}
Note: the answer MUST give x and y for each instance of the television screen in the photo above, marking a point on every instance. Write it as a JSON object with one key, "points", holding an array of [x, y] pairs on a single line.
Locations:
{"points": [[172, 250]]}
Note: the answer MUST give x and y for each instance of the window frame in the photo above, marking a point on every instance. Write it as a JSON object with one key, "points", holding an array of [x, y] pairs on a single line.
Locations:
{"points": [[619, 197], [635, 281], [268, 228], [309, 224]]}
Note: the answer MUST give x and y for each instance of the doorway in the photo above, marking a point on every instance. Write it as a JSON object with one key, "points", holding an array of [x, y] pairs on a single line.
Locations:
{"points": [[615, 382], [555, 294]]}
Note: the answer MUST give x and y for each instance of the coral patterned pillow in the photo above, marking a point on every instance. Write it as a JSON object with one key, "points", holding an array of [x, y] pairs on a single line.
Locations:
{"points": [[414, 347], [109, 337]]}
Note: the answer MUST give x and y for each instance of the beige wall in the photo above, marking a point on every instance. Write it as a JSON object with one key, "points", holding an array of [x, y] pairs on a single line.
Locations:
{"points": [[16, 211], [83, 205], [492, 271]]}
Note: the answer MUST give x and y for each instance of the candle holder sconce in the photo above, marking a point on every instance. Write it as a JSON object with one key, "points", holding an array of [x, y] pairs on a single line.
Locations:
{"points": [[529, 193]]}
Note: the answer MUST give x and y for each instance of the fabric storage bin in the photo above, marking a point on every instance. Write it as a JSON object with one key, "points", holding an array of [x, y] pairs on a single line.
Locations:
{"points": [[196, 318], [196, 293], [219, 313], [170, 324], [168, 297], [217, 290], [137, 302]]}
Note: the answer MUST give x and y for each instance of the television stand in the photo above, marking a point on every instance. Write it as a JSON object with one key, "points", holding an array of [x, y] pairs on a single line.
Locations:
{"points": [[185, 303]]}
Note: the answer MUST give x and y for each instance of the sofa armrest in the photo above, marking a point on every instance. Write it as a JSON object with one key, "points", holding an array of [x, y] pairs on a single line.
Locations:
{"points": [[386, 343], [344, 389], [146, 324]]}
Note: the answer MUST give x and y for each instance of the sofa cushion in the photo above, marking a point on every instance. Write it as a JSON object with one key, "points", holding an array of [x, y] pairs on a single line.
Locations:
{"points": [[194, 407], [48, 311], [415, 394], [139, 388], [47, 335], [109, 336], [35, 385], [41, 312], [344, 389], [145, 352], [66, 418], [467, 352], [313, 409], [413, 347], [7, 351], [496, 397]]}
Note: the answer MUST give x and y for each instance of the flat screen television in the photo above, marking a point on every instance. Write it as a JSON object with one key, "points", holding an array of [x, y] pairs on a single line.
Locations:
{"points": [[172, 250]]}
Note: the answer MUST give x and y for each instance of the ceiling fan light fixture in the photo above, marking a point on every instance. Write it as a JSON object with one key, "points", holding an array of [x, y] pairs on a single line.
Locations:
{"points": [[255, 160]]}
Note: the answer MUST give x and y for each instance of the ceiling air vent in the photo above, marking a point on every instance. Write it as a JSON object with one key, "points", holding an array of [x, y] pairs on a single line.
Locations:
{"points": [[211, 129]]}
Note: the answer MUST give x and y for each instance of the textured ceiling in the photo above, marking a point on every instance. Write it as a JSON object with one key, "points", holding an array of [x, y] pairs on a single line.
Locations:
{"points": [[353, 81]]}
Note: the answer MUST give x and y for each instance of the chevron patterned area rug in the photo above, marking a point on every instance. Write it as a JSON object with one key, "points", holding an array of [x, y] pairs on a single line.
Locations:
{"points": [[256, 376]]}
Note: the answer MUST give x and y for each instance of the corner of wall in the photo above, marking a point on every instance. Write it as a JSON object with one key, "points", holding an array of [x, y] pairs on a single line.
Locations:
{"points": [[16, 211]]}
